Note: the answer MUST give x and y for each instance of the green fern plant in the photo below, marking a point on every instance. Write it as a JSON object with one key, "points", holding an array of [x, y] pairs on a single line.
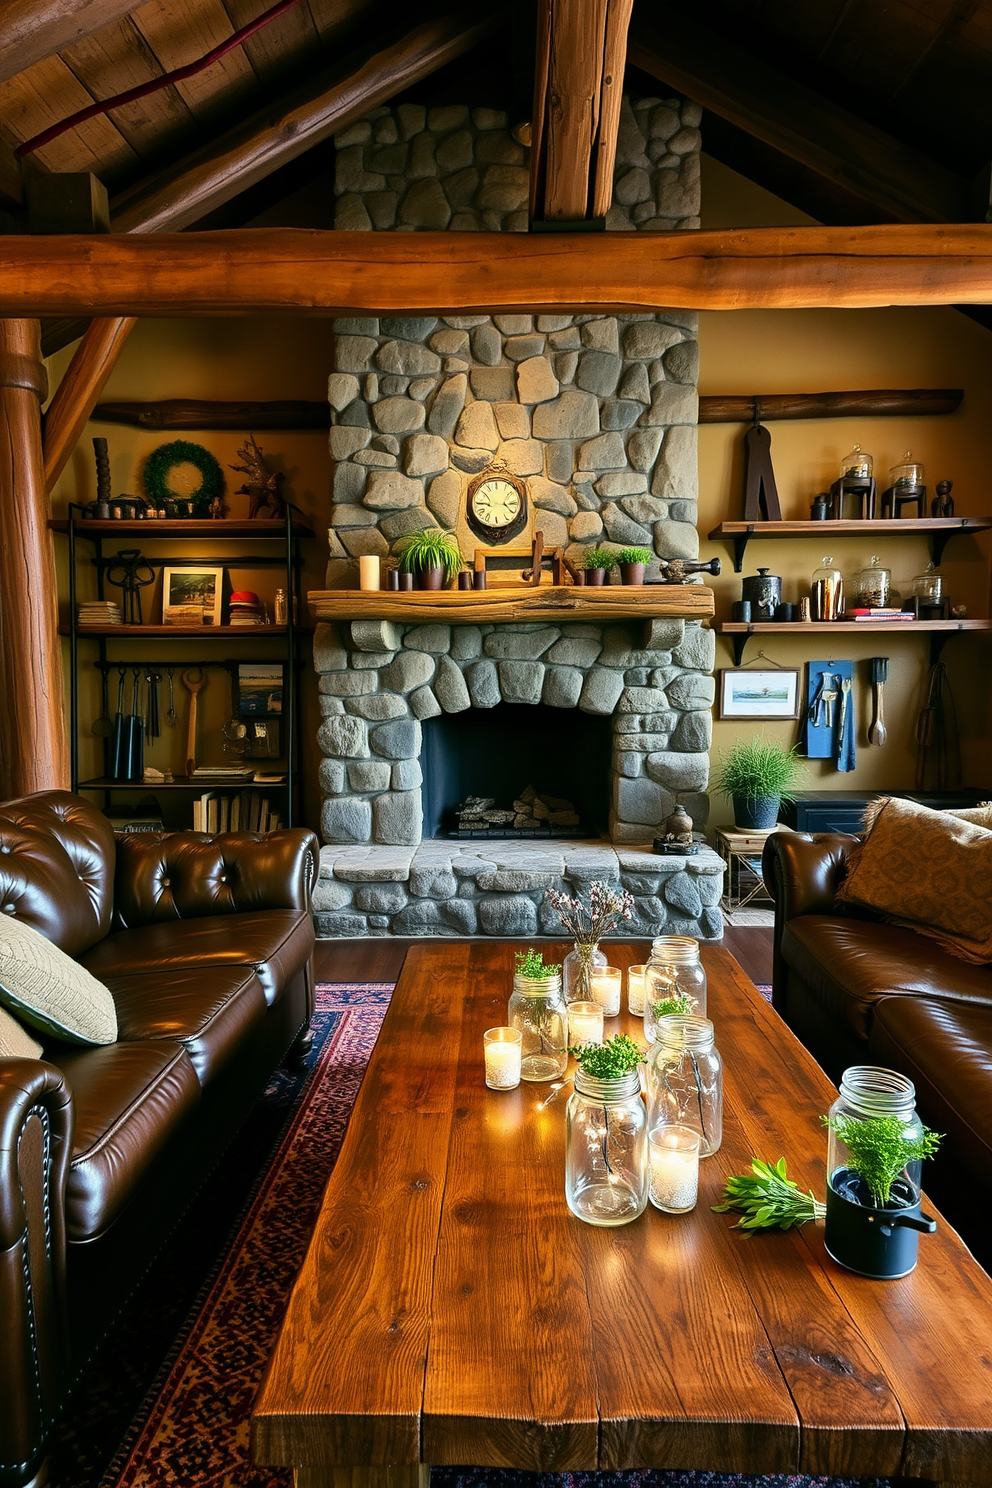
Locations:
{"points": [[880, 1149], [600, 558], [432, 548], [619, 1056], [634, 555], [757, 767]]}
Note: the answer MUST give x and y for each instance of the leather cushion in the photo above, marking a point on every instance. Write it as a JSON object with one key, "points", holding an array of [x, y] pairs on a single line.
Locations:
{"points": [[128, 1099], [275, 943], [848, 965], [946, 1050], [209, 1012]]}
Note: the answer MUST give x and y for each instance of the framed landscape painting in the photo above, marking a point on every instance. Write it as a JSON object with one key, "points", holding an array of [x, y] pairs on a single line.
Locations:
{"points": [[748, 693]]}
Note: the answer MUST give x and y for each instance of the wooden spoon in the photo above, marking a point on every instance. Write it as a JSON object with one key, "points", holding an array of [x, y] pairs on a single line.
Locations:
{"points": [[195, 679], [878, 733]]}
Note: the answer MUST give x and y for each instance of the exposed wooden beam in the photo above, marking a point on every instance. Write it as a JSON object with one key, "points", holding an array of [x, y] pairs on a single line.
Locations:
{"points": [[82, 383], [291, 271], [895, 179], [581, 48], [185, 192], [737, 408], [33, 753], [33, 29], [201, 413]]}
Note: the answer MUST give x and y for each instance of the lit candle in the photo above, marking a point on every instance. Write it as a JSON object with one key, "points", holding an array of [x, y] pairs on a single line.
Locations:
{"points": [[585, 1023], [635, 990], [502, 1048], [673, 1168], [368, 571], [604, 988]]}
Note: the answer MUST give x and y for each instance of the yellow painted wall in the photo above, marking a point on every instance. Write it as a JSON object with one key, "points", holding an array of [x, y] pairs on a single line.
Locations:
{"points": [[756, 352]]}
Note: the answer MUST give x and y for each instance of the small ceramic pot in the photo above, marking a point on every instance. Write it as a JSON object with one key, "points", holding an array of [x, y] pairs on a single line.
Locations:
{"points": [[430, 578], [406, 580], [464, 579], [479, 579], [596, 576], [764, 590], [755, 813], [632, 573]]}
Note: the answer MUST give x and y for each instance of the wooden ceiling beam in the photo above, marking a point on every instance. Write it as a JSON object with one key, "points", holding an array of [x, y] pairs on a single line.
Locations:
{"points": [[33, 29], [581, 50], [187, 191], [292, 271], [83, 381], [897, 181]]}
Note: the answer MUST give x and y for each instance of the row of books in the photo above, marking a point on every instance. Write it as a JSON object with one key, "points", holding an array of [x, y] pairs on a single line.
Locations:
{"points": [[248, 811], [866, 616]]}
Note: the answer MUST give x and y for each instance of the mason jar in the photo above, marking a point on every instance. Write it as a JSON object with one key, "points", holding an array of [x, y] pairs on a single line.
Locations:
{"points": [[606, 1150], [577, 969], [675, 977], [868, 1091], [537, 1009], [685, 1080]]}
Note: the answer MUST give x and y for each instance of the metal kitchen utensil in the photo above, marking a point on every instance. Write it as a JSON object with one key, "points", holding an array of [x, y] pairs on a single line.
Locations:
{"points": [[134, 752], [103, 728], [152, 725], [877, 733], [170, 716], [195, 679], [116, 762]]}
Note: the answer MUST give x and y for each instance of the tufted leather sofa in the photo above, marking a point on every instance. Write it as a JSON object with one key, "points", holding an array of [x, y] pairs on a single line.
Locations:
{"points": [[858, 991], [206, 944]]}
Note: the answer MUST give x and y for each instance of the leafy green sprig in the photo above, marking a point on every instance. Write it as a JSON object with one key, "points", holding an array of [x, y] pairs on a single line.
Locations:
{"points": [[634, 555], [619, 1056], [768, 1200], [530, 963], [600, 558], [880, 1149], [680, 1005]]}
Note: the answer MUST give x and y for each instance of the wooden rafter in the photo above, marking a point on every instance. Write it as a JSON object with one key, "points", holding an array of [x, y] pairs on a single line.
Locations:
{"points": [[581, 49], [292, 271], [899, 182], [82, 383], [33, 29]]}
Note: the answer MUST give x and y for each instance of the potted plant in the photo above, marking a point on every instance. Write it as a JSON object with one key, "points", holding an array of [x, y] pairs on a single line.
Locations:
{"points": [[433, 556], [598, 563], [633, 562], [757, 775], [606, 1140]]}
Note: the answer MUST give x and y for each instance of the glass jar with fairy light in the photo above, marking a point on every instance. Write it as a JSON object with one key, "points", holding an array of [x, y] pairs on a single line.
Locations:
{"points": [[538, 1012], [606, 1145], [674, 981], [685, 1080]]}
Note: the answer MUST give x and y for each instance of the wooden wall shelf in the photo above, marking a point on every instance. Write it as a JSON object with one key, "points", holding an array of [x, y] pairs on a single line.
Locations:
{"points": [[939, 630], [185, 527], [940, 530], [500, 606], [184, 632]]}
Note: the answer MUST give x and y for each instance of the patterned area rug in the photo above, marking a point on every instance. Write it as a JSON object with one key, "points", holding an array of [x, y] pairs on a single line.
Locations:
{"points": [[167, 1402]]}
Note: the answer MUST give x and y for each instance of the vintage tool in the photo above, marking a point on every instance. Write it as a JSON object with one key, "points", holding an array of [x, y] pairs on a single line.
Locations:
{"points": [[195, 680], [678, 570], [115, 764], [152, 724], [938, 749], [759, 477], [132, 743], [103, 727], [877, 733], [170, 716], [133, 573]]}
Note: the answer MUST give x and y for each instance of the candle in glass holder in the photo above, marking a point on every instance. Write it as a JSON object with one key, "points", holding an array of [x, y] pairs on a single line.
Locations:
{"points": [[635, 990], [368, 571], [585, 1024], [503, 1047], [604, 988], [673, 1168]]}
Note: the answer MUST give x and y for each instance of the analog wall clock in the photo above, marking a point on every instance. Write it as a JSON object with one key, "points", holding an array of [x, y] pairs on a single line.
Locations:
{"points": [[496, 504]]}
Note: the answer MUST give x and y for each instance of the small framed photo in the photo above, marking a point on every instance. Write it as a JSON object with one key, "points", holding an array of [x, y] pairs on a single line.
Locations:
{"points": [[747, 693], [188, 591], [260, 689]]}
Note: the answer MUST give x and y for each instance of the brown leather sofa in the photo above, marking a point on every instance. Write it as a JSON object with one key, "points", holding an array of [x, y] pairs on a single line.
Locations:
{"points": [[206, 944], [858, 991]]}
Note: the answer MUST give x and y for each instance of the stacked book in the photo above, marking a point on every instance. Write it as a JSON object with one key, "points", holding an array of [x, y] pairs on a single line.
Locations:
{"points": [[247, 811], [223, 772], [866, 616], [99, 612], [246, 609]]}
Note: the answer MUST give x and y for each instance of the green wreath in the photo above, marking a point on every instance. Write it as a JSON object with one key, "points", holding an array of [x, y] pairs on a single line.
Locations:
{"points": [[181, 452]]}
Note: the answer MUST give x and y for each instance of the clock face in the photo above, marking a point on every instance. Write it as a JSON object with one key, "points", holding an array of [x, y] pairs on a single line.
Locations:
{"points": [[496, 503]]}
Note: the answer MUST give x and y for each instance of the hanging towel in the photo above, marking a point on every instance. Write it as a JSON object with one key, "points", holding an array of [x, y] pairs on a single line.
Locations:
{"points": [[819, 734]]}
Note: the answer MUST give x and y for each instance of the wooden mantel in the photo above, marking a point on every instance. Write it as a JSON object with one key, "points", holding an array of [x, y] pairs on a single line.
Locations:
{"points": [[511, 603], [292, 271]]}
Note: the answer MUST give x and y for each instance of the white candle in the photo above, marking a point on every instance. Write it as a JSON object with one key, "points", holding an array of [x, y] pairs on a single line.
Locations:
{"points": [[635, 990], [368, 571], [585, 1024], [673, 1155], [502, 1048], [604, 988]]}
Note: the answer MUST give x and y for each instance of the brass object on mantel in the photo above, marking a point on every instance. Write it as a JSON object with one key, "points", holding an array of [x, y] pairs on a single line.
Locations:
{"points": [[502, 606]]}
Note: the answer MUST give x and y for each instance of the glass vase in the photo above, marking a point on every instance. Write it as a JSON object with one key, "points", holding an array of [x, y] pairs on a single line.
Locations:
{"points": [[577, 970], [537, 1010], [606, 1150], [685, 1080]]}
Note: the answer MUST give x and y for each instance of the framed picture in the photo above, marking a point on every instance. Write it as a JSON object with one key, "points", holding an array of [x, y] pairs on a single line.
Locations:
{"points": [[260, 688], [188, 590], [747, 693]]}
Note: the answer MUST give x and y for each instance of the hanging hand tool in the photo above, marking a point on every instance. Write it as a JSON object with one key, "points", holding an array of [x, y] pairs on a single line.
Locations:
{"points": [[170, 717], [828, 696], [103, 727], [116, 763], [152, 725], [877, 733], [195, 679], [846, 747], [134, 744]]}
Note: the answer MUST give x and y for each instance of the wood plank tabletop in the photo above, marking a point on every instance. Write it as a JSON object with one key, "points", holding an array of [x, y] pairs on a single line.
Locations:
{"points": [[451, 1310]]}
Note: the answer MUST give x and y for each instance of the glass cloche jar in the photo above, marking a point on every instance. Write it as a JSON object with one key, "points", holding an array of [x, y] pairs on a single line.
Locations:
{"points": [[873, 586], [908, 472], [857, 465], [928, 587], [827, 592]]}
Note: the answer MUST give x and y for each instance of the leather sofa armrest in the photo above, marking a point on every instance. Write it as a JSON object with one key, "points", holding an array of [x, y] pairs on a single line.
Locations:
{"points": [[802, 872], [182, 875], [36, 1126]]}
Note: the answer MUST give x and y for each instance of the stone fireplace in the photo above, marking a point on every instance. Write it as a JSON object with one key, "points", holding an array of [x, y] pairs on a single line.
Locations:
{"points": [[597, 413]]}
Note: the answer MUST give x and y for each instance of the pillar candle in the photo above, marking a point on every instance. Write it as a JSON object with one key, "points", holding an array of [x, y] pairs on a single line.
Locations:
{"points": [[635, 990], [368, 571], [673, 1157], [604, 988], [585, 1023], [503, 1047]]}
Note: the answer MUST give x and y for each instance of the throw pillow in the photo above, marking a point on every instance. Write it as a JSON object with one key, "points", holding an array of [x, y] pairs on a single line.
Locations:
{"points": [[50, 991], [926, 870], [15, 1041], [981, 814]]}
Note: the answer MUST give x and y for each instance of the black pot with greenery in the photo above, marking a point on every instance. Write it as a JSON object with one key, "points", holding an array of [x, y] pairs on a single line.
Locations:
{"points": [[433, 557], [757, 774]]}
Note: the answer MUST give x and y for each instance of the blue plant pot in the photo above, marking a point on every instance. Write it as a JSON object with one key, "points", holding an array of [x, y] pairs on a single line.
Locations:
{"points": [[880, 1243], [755, 813]]}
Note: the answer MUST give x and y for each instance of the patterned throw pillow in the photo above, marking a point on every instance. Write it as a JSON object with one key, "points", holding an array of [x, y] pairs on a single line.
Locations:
{"points": [[15, 1041], [48, 990], [927, 870]]}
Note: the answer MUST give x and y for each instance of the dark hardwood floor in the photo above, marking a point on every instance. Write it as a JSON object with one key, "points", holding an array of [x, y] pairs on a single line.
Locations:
{"points": [[380, 960]]}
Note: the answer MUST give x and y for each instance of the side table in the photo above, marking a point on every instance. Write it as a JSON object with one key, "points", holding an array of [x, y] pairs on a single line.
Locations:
{"points": [[741, 851]]}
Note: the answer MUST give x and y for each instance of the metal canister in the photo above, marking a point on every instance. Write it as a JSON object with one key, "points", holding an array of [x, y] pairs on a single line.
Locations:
{"points": [[764, 590]]}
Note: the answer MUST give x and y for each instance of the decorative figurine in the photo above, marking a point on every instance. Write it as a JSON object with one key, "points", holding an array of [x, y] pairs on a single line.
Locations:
{"points": [[677, 838], [678, 570], [759, 477], [942, 504], [263, 485]]}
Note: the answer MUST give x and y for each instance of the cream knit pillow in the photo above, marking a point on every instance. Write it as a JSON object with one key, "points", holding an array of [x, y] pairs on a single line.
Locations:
{"points": [[15, 1041], [47, 989]]}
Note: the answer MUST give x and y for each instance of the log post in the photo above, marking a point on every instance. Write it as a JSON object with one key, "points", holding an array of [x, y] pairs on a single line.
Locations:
{"points": [[33, 746]]}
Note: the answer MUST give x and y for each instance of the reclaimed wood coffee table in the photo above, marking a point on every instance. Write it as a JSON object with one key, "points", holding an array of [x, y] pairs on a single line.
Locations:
{"points": [[451, 1310]]}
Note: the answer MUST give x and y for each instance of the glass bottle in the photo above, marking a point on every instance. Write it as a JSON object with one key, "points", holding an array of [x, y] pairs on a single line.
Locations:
{"points": [[858, 464], [827, 592], [866, 1092], [674, 974], [577, 970], [685, 1080], [606, 1150], [873, 586], [537, 1009]]}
